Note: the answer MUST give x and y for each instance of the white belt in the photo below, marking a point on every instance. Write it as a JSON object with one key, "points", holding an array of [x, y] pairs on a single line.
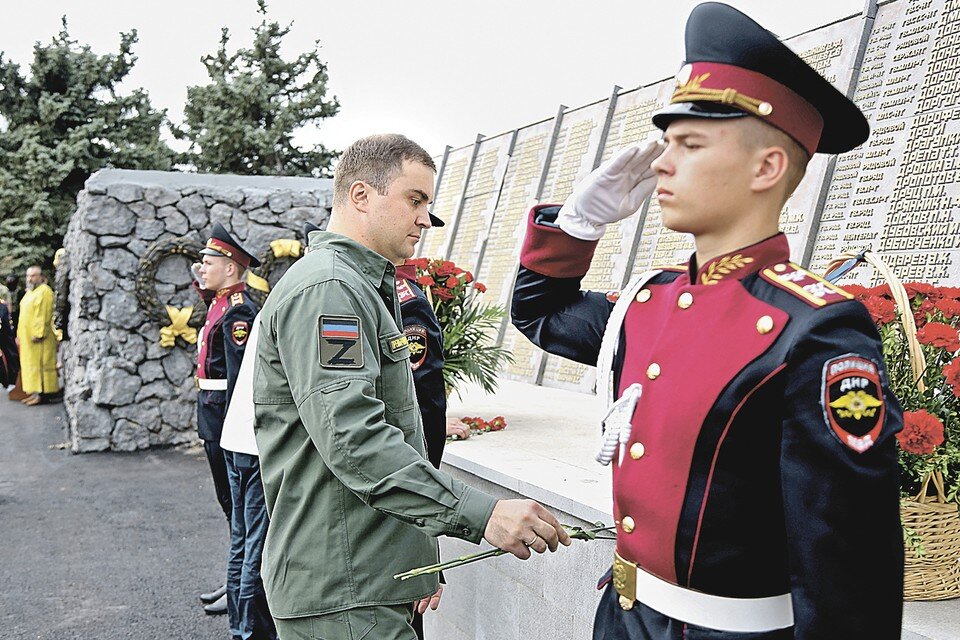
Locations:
{"points": [[212, 384], [702, 609]]}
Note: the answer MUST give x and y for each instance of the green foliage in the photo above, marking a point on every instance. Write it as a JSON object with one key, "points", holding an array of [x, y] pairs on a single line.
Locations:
{"points": [[60, 123], [244, 121], [469, 353]]}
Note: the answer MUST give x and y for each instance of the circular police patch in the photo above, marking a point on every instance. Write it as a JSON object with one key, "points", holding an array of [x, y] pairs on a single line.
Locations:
{"points": [[853, 401], [417, 341]]}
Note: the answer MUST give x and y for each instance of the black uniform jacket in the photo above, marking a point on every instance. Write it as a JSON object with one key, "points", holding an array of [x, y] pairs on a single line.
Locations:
{"points": [[766, 461], [9, 353], [230, 315], [422, 329]]}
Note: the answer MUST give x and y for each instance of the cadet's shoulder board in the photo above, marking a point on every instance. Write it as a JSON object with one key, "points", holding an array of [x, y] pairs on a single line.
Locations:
{"points": [[404, 291], [239, 332], [805, 285], [417, 341], [236, 299], [853, 400], [341, 342]]}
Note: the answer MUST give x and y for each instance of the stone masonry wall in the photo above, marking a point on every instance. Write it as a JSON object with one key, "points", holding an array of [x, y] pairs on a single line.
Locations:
{"points": [[123, 390]]}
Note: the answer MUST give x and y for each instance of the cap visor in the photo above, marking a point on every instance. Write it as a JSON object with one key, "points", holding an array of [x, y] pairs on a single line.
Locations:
{"points": [[436, 222], [707, 111]]}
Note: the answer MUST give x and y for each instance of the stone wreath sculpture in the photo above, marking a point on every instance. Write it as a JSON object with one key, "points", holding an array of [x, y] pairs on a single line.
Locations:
{"points": [[258, 280], [183, 322], [174, 323]]}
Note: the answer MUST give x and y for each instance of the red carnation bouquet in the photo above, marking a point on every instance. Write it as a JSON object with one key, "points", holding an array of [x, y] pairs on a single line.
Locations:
{"points": [[469, 327], [930, 440]]}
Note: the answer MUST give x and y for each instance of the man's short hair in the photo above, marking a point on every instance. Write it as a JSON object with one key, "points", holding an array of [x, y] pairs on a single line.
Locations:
{"points": [[376, 160], [759, 134]]}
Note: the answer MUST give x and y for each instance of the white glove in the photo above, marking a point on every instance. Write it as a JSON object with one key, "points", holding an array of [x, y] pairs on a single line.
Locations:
{"points": [[195, 272], [613, 191]]}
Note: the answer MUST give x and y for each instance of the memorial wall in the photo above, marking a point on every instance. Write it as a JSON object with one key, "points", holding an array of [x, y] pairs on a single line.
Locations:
{"points": [[898, 194]]}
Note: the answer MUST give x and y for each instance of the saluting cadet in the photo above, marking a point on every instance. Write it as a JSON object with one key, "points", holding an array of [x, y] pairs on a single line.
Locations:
{"points": [[754, 465], [351, 496], [223, 337]]}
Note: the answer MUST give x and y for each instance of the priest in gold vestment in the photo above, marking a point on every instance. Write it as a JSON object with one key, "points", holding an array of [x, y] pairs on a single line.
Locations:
{"points": [[38, 342]]}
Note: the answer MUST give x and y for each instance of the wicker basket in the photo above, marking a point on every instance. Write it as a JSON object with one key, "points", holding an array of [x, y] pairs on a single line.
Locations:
{"points": [[933, 519]]}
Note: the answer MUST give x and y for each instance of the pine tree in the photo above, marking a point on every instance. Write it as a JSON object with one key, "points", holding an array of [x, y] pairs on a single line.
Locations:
{"points": [[59, 124], [244, 121]]}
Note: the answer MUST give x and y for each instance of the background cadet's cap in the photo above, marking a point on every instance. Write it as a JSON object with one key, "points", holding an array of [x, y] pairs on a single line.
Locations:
{"points": [[222, 244], [734, 67], [435, 221], [309, 228]]}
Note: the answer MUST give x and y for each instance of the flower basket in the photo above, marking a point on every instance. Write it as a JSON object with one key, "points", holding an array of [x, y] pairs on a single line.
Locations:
{"points": [[934, 521], [931, 522]]}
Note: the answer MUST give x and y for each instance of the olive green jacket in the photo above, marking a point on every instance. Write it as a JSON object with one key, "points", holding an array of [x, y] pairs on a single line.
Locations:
{"points": [[351, 497]]}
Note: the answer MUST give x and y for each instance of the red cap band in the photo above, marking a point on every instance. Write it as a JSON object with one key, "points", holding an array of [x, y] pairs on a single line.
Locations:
{"points": [[229, 251], [754, 93]]}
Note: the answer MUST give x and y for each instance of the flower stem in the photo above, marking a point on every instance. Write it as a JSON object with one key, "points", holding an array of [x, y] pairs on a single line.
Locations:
{"points": [[577, 533]]}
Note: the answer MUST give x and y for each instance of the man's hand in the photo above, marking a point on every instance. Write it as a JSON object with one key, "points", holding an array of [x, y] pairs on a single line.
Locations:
{"points": [[457, 428], [195, 272], [518, 526], [615, 190], [420, 606]]}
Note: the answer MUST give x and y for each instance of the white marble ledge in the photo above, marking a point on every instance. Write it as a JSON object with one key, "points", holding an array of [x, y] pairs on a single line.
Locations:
{"points": [[546, 452]]}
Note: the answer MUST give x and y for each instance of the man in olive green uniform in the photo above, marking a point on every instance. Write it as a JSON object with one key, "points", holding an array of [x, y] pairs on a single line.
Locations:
{"points": [[351, 497]]}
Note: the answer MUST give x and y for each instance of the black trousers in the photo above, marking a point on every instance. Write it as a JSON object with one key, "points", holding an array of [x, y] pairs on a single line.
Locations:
{"points": [[218, 469]]}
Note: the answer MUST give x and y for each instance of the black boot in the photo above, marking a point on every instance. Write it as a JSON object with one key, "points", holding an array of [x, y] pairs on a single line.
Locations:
{"points": [[217, 608], [213, 596]]}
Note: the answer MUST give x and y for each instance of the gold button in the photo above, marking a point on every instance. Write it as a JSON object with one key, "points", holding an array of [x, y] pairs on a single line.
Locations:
{"points": [[627, 525], [644, 295], [685, 300], [637, 450], [203, 343], [780, 268], [653, 371], [765, 108], [764, 324]]}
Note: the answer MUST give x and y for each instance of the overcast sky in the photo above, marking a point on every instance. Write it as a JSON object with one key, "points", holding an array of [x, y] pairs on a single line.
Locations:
{"points": [[437, 71]]}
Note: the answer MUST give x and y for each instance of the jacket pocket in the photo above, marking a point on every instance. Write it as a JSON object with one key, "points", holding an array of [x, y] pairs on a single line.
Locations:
{"points": [[396, 377]]}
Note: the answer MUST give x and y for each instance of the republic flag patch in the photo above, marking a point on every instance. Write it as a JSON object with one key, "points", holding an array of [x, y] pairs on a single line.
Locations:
{"points": [[341, 344], [853, 400], [417, 341], [239, 331]]}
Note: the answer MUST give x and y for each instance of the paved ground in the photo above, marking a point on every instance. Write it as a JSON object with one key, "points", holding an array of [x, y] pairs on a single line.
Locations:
{"points": [[103, 545]]}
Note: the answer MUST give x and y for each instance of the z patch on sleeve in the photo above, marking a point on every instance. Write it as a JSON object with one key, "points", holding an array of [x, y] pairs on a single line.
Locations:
{"points": [[853, 400], [239, 332], [417, 341], [341, 345]]}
